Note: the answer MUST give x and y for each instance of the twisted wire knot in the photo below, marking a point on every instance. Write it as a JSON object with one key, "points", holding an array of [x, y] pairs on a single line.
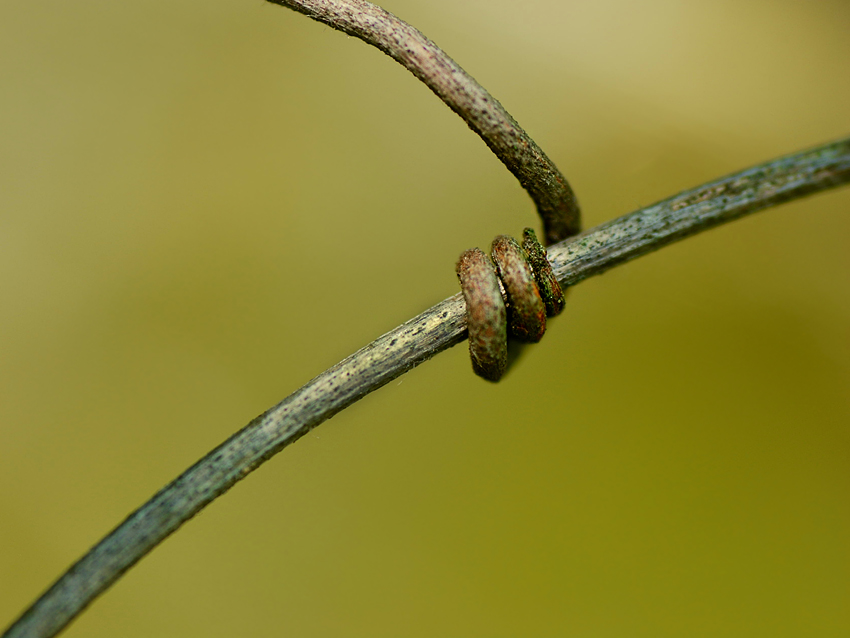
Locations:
{"points": [[517, 288]]}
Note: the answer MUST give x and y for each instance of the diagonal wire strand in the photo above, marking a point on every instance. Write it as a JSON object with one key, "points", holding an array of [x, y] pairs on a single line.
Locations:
{"points": [[400, 350]]}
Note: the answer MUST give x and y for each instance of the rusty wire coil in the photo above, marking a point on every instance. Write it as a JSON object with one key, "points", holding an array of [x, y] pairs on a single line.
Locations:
{"points": [[516, 289]]}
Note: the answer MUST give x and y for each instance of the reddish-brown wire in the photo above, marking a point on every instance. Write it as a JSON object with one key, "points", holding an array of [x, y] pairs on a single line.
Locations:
{"points": [[516, 288]]}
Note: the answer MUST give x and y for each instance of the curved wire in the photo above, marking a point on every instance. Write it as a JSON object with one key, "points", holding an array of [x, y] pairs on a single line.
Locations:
{"points": [[538, 175]]}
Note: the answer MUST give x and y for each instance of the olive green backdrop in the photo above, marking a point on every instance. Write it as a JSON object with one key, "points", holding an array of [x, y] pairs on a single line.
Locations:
{"points": [[205, 204]]}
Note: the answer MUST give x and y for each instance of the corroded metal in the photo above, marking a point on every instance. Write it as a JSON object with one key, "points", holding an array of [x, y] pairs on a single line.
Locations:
{"points": [[550, 289], [486, 316], [526, 311], [513, 292]]}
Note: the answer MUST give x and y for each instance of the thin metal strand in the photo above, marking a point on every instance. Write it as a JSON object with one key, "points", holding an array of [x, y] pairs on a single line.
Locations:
{"points": [[538, 175], [400, 350]]}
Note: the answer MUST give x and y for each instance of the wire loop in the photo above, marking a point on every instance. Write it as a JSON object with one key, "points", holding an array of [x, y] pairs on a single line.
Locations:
{"points": [[517, 288]]}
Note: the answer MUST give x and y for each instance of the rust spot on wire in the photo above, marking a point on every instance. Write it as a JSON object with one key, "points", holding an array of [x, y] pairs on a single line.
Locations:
{"points": [[550, 289], [526, 311], [515, 291], [486, 316]]}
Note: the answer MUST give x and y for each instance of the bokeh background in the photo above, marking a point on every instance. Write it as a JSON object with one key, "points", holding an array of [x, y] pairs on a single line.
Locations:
{"points": [[205, 204]]}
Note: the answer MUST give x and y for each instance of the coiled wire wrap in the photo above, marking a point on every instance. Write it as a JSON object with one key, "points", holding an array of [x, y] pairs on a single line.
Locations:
{"points": [[516, 289]]}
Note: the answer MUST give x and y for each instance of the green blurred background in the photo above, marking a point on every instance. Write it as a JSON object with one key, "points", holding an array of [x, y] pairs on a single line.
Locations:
{"points": [[205, 204]]}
